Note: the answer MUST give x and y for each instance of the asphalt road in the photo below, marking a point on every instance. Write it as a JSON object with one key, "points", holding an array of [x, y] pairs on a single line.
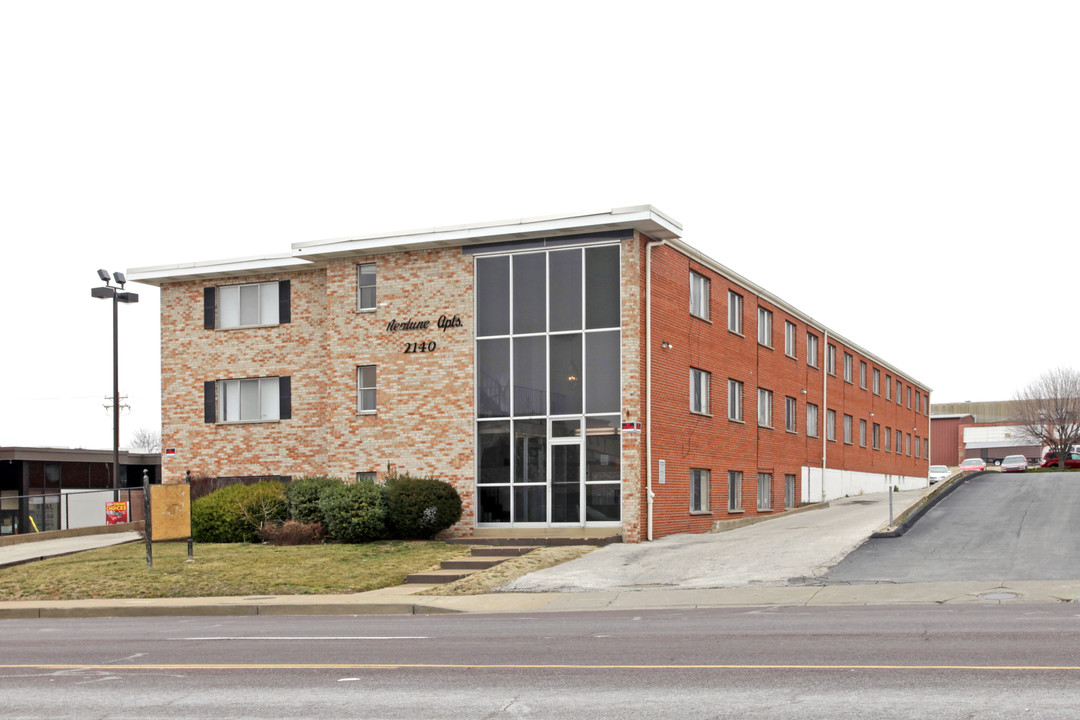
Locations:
{"points": [[999, 661], [996, 527]]}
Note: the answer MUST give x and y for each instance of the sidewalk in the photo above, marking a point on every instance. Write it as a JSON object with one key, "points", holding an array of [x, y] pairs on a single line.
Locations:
{"points": [[747, 567]]}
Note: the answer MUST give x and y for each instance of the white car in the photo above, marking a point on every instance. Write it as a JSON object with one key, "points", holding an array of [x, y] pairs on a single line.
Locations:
{"points": [[939, 472]]}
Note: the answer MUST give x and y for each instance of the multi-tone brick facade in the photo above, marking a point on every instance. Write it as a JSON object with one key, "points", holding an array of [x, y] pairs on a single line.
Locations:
{"points": [[421, 339]]}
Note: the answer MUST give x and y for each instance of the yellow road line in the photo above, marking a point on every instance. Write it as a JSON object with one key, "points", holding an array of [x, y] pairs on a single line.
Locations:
{"points": [[451, 666]]}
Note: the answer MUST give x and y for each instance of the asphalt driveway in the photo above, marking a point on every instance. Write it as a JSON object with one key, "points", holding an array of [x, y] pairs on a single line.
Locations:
{"points": [[996, 526]]}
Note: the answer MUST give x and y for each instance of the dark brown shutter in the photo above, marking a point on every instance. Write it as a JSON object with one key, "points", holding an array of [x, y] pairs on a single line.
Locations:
{"points": [[210, 401], [285, 397], [209, 308], [284, 302]]}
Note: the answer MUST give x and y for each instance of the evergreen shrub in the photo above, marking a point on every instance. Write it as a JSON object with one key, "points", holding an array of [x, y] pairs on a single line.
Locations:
{"points": [[303, 497], [419, 508], [237, 512], [354, 512]]}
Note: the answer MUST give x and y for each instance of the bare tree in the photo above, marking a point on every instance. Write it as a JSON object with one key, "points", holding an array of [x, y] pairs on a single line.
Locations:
{"points": [[1048, 411], [146, 440]]}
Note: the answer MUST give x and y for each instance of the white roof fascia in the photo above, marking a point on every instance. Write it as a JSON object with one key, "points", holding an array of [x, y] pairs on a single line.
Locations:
{"points": [[645, 218], [162, 274], [761, 292]]}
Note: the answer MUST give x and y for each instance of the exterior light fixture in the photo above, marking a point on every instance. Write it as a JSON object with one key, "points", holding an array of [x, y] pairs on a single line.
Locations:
{"points": [[118, 295]]}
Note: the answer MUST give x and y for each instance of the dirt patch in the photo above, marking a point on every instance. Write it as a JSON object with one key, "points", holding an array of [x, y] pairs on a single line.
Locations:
{"points": [[485, 581]]}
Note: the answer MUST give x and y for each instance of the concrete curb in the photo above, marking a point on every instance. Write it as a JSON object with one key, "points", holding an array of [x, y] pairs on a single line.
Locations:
{"points": [[909, 517]]}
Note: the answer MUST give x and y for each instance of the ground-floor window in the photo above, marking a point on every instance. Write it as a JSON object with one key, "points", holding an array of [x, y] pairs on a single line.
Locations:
{"points": [[734, 490], [699, 490], [764, 491], [789, 491]]}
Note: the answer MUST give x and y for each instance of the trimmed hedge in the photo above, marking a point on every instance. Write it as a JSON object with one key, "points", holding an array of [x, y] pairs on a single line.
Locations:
{"points": [[420, 508], [354, 512], [235, 513], [303, 497]]}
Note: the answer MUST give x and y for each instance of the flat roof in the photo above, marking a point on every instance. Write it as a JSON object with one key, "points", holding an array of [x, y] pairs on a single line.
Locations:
{"points": [[643, 218]]}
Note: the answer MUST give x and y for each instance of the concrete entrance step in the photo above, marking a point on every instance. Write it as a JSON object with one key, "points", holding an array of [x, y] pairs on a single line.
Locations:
{"points": [[482, 559], [539, 540]]}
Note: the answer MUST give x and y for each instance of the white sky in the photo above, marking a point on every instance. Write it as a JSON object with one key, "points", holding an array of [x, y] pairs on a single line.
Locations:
{"points": [[907, 173]]}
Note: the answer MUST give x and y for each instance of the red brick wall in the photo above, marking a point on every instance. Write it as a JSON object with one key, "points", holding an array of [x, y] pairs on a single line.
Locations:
{"points": [[685, 440]]}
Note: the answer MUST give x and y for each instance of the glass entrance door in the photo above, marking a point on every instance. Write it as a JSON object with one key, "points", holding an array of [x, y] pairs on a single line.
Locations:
{"points": [[566, 483]]}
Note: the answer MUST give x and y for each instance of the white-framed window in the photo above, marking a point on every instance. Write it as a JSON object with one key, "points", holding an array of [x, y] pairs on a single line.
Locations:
{"points": [[764, 491], [830, 359], [830, 425], [899, 392], [248, 305], [249, 400], [811, 420], [862, 433], [811, 350], [789, 338], [877, 436], [365, 286], [764, 407], [862, 374], [734, 312], [368, 477], [734, 493], [699, 490], [849, 423], [699, 295], [764, 327], [848, 363], [790, 412], [735, 401], [366, 389], [877, 381], [699, 391], [888, 386]]}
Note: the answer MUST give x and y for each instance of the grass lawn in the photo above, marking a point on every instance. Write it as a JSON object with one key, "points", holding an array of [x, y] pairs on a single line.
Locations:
{"points": [[223, 569]]}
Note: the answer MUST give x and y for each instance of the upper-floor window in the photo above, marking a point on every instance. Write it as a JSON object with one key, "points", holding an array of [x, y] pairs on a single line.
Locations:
{"points": [[789, 338], [877, 436], [790, 410], [899, 439], [899, 388], [365, 286], [699, 295], [862, 433], [811, 420], [764, 327], [811, 350], [888, 386], [699, 391], [248, 400], [877, 381], [365, 389], [830, 425], [250, 305], [830, 359], [848, 361], [908, 397], [735, 390], [734, 312], [848, 428], [764, 407], [862, 374]]}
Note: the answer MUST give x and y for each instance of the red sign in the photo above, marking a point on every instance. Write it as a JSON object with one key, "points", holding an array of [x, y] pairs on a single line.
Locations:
{"points": [[116, 513]]}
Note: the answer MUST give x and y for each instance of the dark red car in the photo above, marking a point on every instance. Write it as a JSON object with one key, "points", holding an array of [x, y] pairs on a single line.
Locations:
{"points": [[1072, 460]]}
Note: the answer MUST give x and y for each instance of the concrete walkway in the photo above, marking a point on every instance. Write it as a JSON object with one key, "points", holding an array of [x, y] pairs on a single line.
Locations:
{"points": [[772, 563]]}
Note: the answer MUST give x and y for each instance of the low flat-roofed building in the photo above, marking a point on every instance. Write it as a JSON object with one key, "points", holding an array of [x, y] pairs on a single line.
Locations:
{"points": [[589, 372]]}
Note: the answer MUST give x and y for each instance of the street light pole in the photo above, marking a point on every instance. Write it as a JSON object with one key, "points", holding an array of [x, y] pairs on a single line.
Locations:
{"points": [[117, 295]]}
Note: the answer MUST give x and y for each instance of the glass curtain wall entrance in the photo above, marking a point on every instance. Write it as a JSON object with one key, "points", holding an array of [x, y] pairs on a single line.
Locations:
{"points": [[548, 387]]}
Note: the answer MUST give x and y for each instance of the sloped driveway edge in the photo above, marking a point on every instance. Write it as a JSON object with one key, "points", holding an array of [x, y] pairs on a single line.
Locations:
{"points": [[909, 517]]}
